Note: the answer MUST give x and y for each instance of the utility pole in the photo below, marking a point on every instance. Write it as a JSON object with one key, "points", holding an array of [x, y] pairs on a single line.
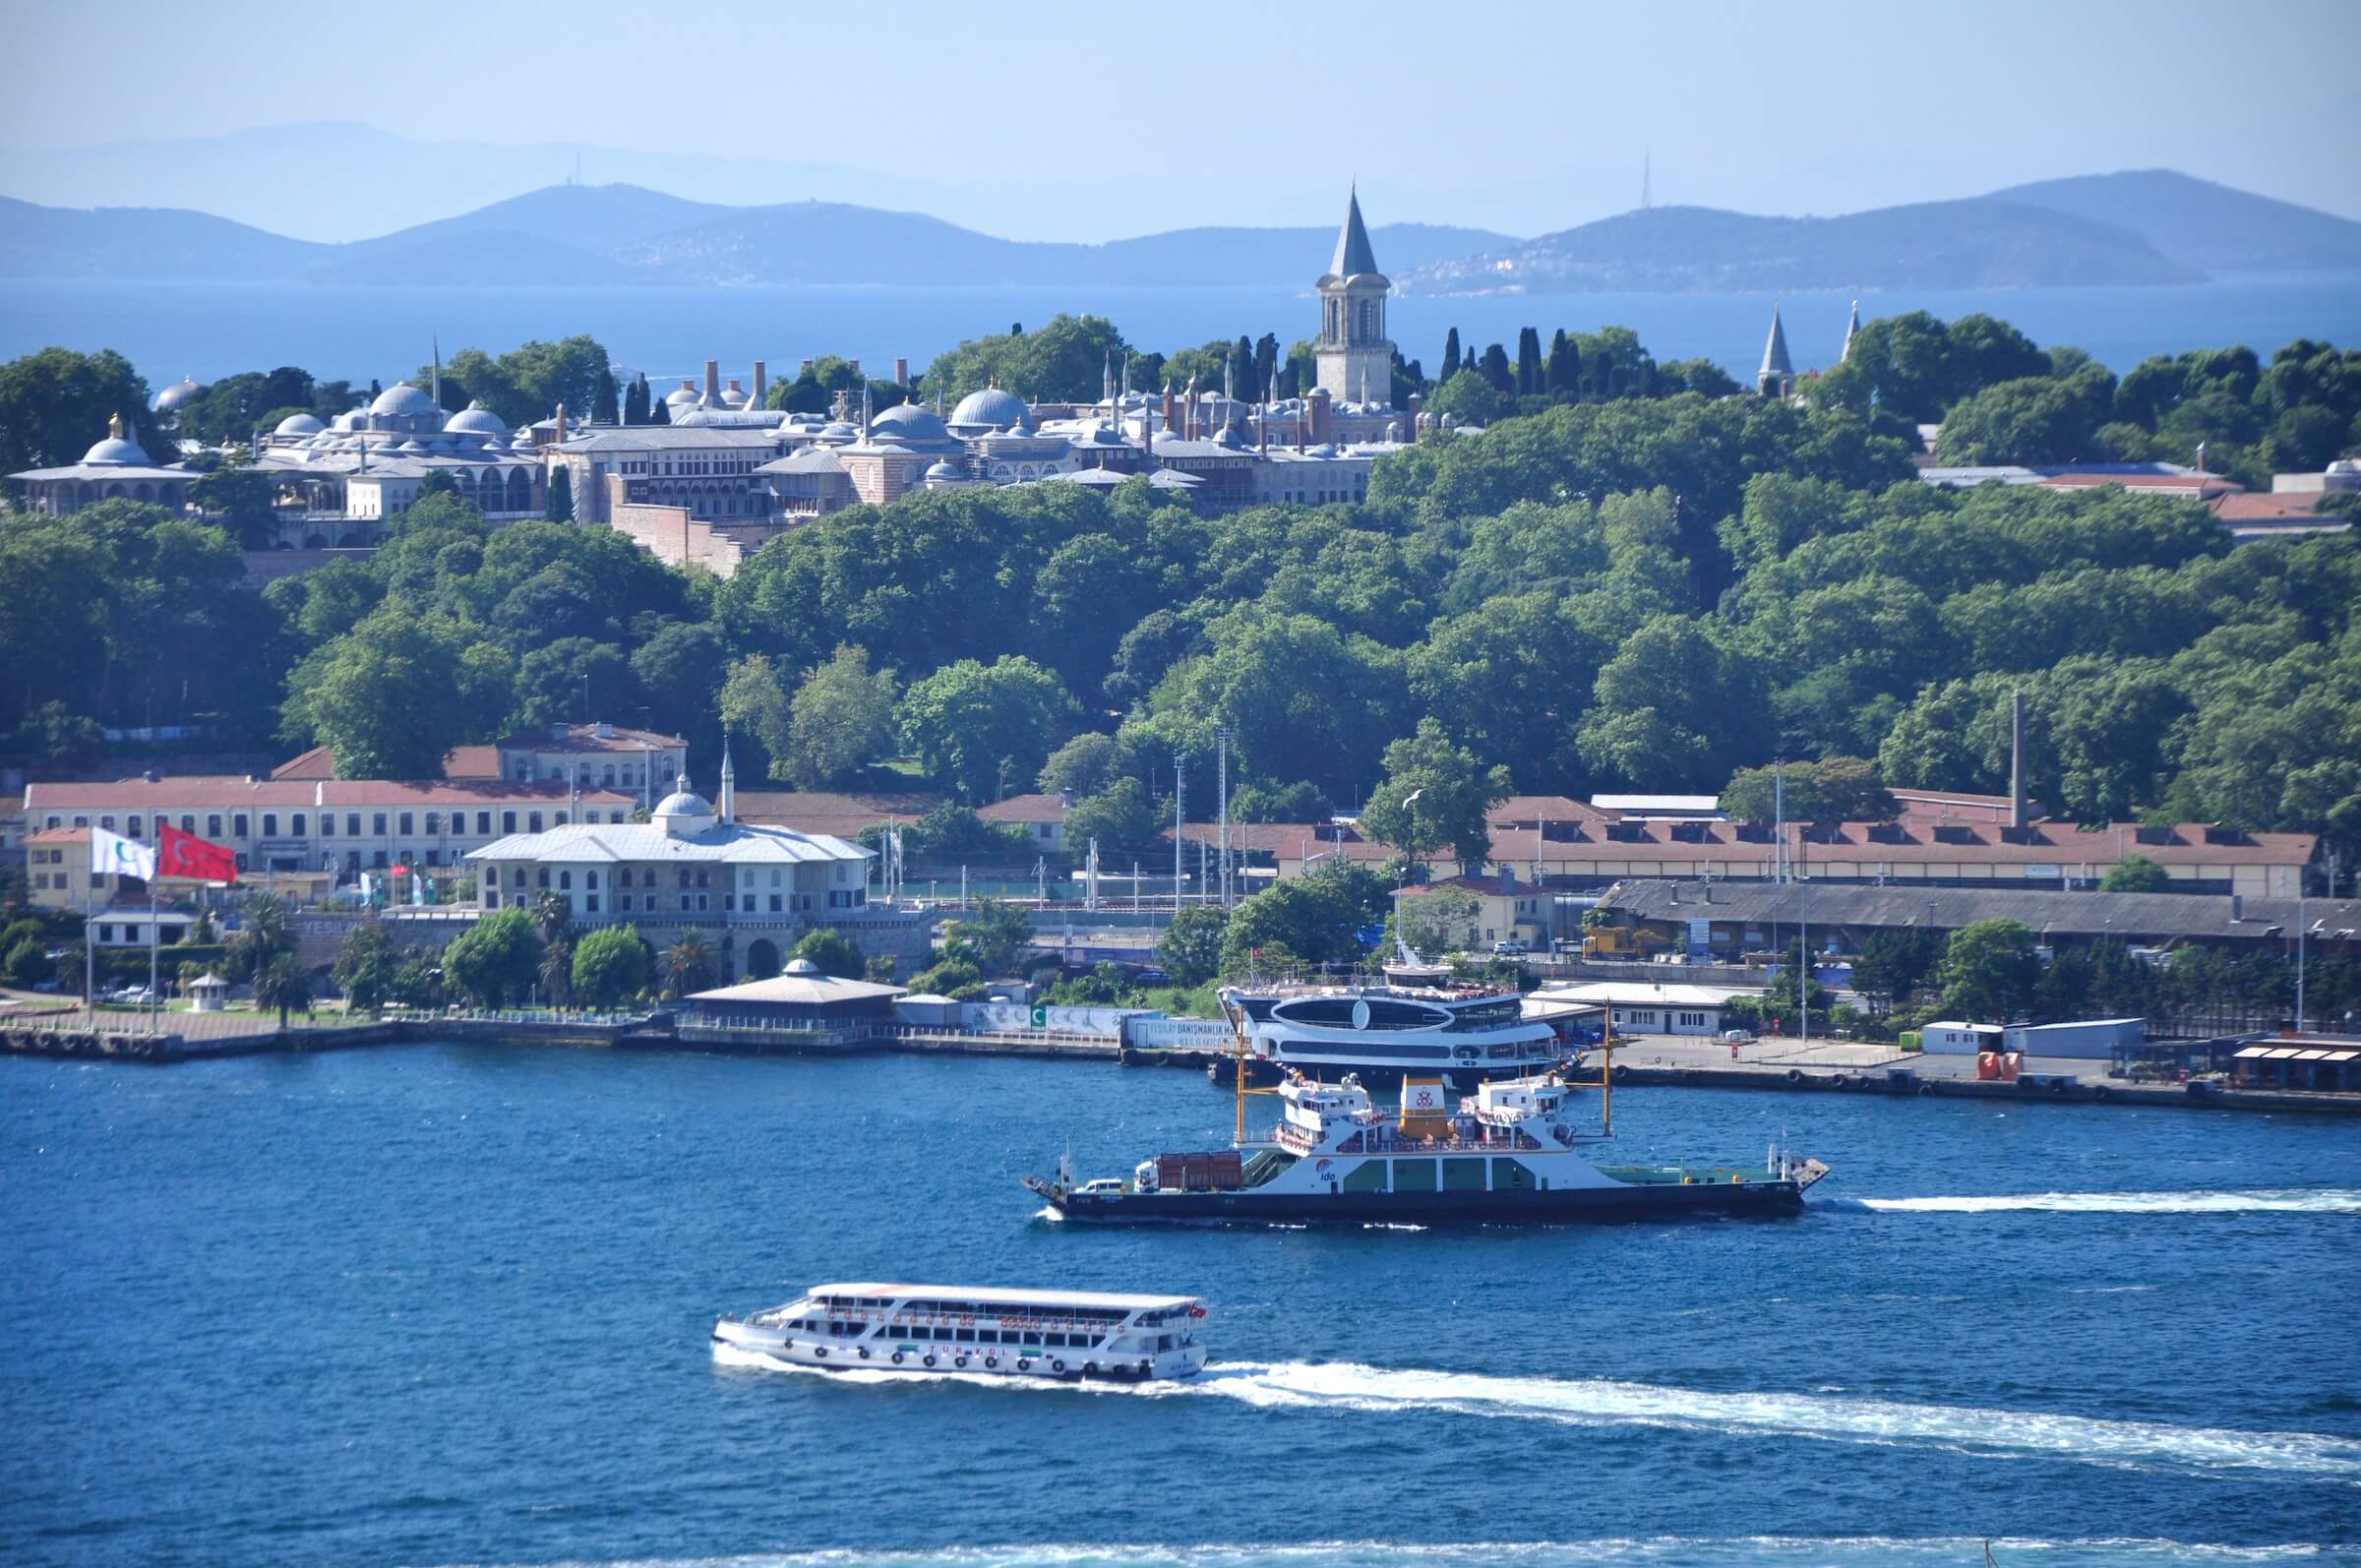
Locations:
{"points": [[2300, 933], [1179, 780], [1222, 786]]}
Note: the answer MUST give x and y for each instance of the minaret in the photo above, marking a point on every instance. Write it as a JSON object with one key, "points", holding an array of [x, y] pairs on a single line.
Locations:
{"points": [[1107, 380], [1777, 378], [729, 785], [1853, 325], [437, 390], [1352, 350]]}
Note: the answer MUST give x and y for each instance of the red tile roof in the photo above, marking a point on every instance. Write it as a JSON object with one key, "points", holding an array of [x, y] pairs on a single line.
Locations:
{"points": [[1026, 809], [585, 737], [839, 815], [459, 762], [173, 794]]}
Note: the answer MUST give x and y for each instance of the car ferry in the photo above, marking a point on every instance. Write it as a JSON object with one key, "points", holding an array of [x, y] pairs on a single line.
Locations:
{"points": [[1054, 1335], [1511, 1151], [1420, 1026]]}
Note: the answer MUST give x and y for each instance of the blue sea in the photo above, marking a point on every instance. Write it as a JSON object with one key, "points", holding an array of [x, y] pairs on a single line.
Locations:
{"points": [[211, 330], [450, 1304]]}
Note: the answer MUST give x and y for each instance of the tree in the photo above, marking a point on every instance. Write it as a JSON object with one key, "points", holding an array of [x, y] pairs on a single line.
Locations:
{"points": [[1835, 789], [266, 932], [634, 401], [967, 719], [610, 966], [1469, 398], [1529, 361], [560, 508], [1891, 964], [603, 408], [1434, 794], [1450, 355], [552, 915], [954, 978], [688, 965], [283, 985], [241, 499], [2136, 875], [754, 701], [364, 968], [1437, 919], [1190, 947], [495, 960], [834, 952], [840, 720], [1085, 764], [990, 935], [1328, 917], [951, 835], [54, 406], [380, 698], [26, 964], [1561, 371], [572, 679], [64, 740], [1120, 818], [1988, 971], [555, 974]]}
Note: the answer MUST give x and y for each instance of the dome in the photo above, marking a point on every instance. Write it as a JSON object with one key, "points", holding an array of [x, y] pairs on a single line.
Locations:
{"points": [[991, 406], [686, 398], [908, 422], [350, 419], [116, 452], [683, 814], [476, 420], [733, 397], [404, 400], [298, 425], [803, 967], [942, 470], [172, 397], [839, 430]]}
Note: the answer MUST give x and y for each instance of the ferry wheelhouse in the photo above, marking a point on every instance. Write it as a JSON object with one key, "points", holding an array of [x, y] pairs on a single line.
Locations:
{"points": [[1058, 1335], [1459, 1033], [1511, 1151]]}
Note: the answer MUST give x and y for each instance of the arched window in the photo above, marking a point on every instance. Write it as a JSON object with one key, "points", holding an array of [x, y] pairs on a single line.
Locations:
{"points": [[566, 882]]}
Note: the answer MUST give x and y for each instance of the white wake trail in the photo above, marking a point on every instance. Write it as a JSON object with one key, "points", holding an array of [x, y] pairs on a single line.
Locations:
{"points": [[2261, 1200], [1350, 1386]]}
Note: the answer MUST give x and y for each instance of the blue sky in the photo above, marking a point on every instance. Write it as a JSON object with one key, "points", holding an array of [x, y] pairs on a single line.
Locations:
{"points": [[1063, 121]]}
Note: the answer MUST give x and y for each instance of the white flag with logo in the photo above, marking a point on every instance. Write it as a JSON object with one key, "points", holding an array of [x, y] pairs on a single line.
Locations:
{"points": [[112, 854]]}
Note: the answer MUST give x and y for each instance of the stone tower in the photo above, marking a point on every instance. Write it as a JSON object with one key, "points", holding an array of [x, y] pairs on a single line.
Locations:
{"points": [[1777, 378], [1354, 359]]}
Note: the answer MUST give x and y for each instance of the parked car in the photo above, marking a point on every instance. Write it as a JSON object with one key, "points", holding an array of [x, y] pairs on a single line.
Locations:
{"points": [[1738, 1036], [1510, 945], [134, 996]]}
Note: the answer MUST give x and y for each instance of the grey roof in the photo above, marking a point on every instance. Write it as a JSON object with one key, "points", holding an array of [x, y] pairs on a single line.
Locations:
{"points": [[809, 460], [805, 990], [991, 406], [2131, 917], [670, 437], [1775, 351], [1352, 253], [614, 843]]}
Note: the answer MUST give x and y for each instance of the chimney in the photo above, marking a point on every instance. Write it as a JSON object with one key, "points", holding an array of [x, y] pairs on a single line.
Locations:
{"points": [[806, 367], [1065, 800], [1418, 405], [559, 438], [1319, 414], [558, 733], [761, 382], [901, 371], [2015, 759], [2237, 907], [713, 381], [603, 730]]}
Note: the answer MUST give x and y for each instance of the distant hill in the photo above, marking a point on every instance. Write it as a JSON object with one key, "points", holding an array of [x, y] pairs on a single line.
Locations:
{"points": [[2199, 224], [142, 242], [1982, 243], [575, 235]]}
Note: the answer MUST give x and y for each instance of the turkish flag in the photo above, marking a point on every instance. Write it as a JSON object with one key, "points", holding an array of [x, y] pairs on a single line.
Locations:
{"points": [[179, 854]]}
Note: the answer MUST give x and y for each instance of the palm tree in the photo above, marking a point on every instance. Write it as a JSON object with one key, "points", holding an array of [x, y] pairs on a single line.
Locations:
{"points": [[689, 966], [265, 933], [553, 914], [283, 985], [557, 970]]}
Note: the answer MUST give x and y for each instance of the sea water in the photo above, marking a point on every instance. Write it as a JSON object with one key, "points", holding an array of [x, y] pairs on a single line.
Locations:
{"points": [[213, 330], [449, 1303]]}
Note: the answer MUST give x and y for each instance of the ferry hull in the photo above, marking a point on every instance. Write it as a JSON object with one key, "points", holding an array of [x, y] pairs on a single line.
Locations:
{"points": [[1572, 1205], [1027, 1364]]}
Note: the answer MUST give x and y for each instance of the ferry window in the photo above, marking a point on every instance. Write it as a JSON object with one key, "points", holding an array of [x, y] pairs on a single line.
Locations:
{"points": [[1414, 1175], [1032, 1337], [1510, 1176], [985, 1336], [1164, 1342], [1366, 1176], [965, 1336], [1057, 1340], [1463, 1176]]}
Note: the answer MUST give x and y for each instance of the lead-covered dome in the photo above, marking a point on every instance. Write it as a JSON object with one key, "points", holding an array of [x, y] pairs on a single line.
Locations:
{"points": [[172, 397], [295, 425], [476, 420], [908, 423], [401, 401], [683, 814], [991, 406], [117, 451]]}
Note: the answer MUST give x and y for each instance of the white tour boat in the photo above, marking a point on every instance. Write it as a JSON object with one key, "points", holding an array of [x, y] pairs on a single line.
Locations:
{"points": [[1463, 1034], [1057, 1335]]}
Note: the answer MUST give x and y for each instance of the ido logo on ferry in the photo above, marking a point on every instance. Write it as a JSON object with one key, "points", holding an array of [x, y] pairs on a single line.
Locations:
{"points": [[1423, 1097]]}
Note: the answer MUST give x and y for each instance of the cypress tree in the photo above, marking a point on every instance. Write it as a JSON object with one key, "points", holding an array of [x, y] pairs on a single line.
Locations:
{"points": [[1450, 355], [634, 401], [561, 495], [1563, 370], [1529, 361], [659, 412], [603, 410], [1495, 369]]}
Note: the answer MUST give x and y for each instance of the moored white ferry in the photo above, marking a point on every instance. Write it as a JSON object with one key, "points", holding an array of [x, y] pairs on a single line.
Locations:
{"points": [[1510, 1152], [1056, 1335], [1461, 1034]]}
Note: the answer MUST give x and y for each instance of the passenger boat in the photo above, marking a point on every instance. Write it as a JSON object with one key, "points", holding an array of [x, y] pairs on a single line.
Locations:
{"points": [[1054, 1335], [1422, 1025], [1511, 1151]]}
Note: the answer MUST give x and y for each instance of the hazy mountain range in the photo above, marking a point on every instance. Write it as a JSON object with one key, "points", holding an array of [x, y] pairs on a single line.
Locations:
{"points": [[2143, 227]]}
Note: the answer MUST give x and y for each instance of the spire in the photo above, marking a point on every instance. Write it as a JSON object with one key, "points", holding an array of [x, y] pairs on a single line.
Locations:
{"points": [[1775, 351], [729, 783], [1107, 379], [436, 389], [1853, 325], [114, 427], [1352, 253]]}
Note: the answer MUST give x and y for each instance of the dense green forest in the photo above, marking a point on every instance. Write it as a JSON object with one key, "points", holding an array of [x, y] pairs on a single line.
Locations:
{"points": [[1625, 590]]}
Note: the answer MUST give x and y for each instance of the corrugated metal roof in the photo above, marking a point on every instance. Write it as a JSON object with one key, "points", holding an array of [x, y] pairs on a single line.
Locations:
{"points": [[2129, 916]]}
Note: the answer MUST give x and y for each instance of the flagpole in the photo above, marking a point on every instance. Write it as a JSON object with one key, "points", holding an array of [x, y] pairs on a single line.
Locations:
{"points": [[154, 997]]}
